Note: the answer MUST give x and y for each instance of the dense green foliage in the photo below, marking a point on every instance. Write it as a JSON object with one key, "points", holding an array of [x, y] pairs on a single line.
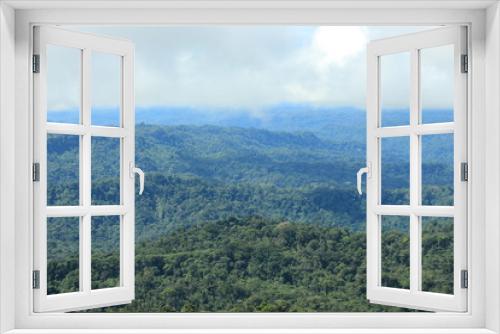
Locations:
{"points": [[244, 220], [265, 266]]}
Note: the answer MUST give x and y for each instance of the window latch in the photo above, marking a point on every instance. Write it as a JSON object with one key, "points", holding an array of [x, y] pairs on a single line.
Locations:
{"points": [[365, 170], [135, 170]]}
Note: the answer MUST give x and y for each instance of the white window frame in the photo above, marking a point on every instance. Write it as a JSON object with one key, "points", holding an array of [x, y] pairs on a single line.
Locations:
{"points": [[16, 152], [86, 297], [456, 36]]}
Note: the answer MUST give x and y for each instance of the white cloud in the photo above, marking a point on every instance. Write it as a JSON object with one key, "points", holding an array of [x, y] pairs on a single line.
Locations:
{"points": [[338, 44], [251, 67]]}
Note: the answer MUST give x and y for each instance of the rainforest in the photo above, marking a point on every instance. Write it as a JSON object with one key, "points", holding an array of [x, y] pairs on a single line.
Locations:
{"points": [[240, 215]]}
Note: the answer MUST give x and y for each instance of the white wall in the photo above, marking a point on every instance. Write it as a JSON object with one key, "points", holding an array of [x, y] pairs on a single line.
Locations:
{"points": [[6, 167], [492, 91]]}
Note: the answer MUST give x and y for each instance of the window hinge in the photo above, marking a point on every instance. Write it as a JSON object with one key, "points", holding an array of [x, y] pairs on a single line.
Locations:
{"points": [[36, 172], [36, 279], [465, 63], [464, 279], [464, 171], [36, 63]]}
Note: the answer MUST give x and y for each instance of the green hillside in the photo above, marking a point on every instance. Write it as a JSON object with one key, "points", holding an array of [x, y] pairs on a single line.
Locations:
{"points": [[258, 265], [244, 220]]}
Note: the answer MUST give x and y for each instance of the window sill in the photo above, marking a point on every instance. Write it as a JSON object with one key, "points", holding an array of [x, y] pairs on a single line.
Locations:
{"points": [[253, 331]]}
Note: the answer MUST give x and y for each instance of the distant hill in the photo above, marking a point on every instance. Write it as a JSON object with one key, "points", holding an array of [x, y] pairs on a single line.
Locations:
{"points": [[230, 154], [341, 124], [207, 173], [283, 117], [345, 124], [240, 218]]}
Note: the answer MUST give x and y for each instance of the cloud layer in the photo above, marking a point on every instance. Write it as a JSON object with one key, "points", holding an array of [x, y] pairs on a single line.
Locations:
{"points": [[250, 67]]}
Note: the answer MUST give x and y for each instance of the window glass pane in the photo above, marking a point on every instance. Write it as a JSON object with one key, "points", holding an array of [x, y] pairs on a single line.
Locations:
{"points": [[395, 170], [63, 169], [437, 169], [106, 89], [63, 84], [436, 84], [395, 89], [105, 171], [105, 252], [395, 251], [437, 254], [63, 244]]}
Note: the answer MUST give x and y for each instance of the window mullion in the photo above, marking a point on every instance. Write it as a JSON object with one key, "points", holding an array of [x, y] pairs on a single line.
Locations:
{"points": [[415, 174], [85, 165]]}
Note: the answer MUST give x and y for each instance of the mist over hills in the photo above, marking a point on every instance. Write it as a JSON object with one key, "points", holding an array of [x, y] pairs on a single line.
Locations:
{"points": [[342, 124], [335, 123]]}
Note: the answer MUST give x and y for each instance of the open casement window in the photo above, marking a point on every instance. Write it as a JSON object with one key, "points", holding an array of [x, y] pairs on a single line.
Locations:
{"points": [[83, 205], [417, 203]]}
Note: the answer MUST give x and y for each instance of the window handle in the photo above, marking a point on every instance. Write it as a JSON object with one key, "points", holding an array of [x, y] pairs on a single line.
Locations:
{"points": [[365, 170], [136, 170]]}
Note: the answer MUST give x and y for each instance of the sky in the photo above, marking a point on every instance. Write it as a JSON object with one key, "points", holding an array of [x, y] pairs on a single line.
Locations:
{"points": [[250, 68]]}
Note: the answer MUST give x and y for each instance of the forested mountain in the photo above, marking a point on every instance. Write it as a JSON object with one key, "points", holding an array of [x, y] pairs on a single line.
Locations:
{"points": [[231, 154], [198, 173], [241, 218], [341, 124], [258, 265]]}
